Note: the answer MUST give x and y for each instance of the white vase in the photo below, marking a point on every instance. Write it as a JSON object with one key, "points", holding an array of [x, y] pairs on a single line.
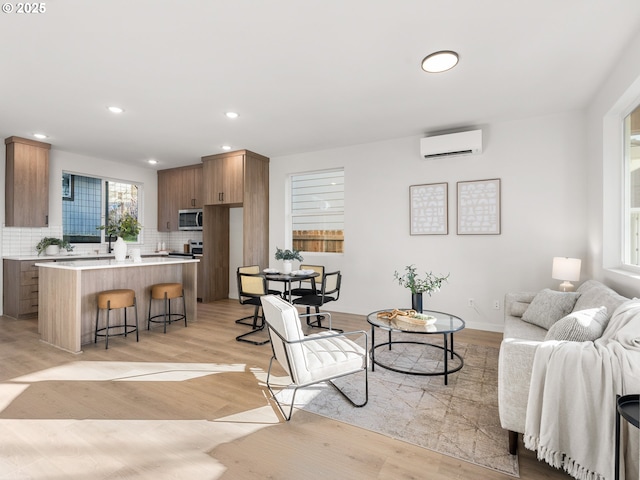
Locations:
{"points": [[120, 249], [286, 267]]}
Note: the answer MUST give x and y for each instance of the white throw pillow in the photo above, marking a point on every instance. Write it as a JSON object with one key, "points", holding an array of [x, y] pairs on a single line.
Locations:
{"points": [[549, 306], [580, 326]]}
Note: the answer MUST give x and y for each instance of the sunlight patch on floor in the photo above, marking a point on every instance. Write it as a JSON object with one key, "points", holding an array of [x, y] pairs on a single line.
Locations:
{"points": [[128, 372], [79, 449], [155, 449]]}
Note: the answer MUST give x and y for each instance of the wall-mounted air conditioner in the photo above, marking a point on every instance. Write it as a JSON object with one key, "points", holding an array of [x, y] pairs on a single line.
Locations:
{"points": [[463, 143]]}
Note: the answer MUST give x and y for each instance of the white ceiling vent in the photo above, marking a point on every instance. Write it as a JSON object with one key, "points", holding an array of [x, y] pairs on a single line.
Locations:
{"points": [[463, 143]]}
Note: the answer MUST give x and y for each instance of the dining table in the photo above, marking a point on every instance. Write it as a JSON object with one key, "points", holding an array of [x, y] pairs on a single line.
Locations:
{"points": [[289, 278]]}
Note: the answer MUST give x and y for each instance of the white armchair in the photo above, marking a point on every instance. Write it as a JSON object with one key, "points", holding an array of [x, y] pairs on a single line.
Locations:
{"points": [[311, 359]]}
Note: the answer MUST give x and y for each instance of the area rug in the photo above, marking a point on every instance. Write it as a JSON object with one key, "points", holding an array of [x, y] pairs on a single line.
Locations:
{"points": [[459, 419]]}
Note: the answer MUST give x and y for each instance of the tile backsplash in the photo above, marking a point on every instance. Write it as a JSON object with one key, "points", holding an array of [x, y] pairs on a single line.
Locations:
{"points": [[23, 241]]}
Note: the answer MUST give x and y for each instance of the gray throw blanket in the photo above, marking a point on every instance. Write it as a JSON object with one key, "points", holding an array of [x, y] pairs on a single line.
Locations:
{"points": [[572, 401]]}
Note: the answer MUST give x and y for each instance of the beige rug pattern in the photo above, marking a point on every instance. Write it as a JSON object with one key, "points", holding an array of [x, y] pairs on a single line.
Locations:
{"points": [[459, 419]]}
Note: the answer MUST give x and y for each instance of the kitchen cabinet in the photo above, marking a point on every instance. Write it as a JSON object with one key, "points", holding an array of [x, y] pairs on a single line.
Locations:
{"points": [[20, 278], [234, 179], [178, 189], [26, 183], [225, 178]]}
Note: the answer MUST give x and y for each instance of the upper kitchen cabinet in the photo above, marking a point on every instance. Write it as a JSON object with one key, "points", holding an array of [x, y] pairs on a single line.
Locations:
{"points": [[178, 189], [27, 183], [225, 178]]}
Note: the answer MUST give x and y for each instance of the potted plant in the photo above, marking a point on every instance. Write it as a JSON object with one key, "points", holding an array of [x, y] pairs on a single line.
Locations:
{"points": [[287, 256], [418, 286], [52, 246], [125, 227]]}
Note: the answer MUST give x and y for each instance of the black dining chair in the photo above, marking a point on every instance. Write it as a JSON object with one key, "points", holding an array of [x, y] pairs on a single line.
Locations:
{"points": [[251, 286], [329, 292], [308, 287]]}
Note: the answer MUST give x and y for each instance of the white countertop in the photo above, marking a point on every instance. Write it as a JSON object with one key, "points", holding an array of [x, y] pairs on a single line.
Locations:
{"points": [[110, 263], [75, 256]]}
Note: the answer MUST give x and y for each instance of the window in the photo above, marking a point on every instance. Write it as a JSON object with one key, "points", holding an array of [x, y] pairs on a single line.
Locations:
{"points": [[121, 201], [632, 190], [317, 211], [88, 201]]}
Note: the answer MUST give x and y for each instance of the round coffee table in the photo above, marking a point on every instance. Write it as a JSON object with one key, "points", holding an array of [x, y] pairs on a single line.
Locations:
{"points": [[445, 325]]}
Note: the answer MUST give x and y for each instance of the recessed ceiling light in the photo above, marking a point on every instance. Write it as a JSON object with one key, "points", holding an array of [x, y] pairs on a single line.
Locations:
{"points": [[226, 147], [440, 61], [152, 161], [41, 136], [115, 109], [232, 115]]}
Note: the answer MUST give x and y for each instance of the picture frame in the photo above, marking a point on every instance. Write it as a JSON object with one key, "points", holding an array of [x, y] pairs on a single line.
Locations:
{"points": [[429, 209], [479, 203], [67, 186]]}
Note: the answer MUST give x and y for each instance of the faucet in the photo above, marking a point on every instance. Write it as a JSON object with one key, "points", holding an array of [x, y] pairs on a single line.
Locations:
{"points": [[109, 249]]}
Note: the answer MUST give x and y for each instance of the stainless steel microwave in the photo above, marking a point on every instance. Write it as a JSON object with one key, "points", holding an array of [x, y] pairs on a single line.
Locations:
{"points": [[190, 219]]}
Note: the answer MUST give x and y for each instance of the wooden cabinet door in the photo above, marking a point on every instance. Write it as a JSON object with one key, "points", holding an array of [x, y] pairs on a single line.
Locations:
{"points": [[223, 179], [233, 180], [26, 183], [168, 208], [197, 186]]}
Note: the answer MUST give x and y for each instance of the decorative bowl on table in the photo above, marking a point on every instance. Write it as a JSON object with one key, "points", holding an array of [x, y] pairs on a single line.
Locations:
{"points": [[270, 270], [409, 316], [302, 272]]}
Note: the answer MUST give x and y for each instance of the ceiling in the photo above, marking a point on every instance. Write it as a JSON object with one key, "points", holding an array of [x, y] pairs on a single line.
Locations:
{"points": [[304, 75]]}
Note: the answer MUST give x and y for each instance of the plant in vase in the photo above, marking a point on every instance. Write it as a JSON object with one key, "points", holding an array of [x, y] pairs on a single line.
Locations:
{"points": [[429, 284], [123, 226], [287, 256], [52, 246]]}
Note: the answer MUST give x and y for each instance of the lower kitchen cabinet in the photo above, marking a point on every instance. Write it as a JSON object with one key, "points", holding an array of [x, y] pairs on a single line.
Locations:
{"points": [[20, 283]]}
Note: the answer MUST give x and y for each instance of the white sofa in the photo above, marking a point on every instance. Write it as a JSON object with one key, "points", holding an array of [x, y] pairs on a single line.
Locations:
{"points": [[520, 341]]}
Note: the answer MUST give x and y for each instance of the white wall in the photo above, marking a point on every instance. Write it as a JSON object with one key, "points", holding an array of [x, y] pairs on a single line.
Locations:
{"points": [[604, 133], [540, 162]]}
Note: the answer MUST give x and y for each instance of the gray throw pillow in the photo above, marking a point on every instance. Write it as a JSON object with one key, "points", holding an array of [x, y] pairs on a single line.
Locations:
{"points": [[549, 306], [580, 326], [518, 308]]}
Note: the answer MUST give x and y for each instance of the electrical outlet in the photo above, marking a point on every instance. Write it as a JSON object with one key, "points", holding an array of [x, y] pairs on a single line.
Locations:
{"points": [[496, 304], [470, 303]]}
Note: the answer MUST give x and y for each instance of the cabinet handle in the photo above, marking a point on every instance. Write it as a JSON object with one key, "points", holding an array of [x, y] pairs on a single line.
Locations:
{"points": [[167, 225], [46, 219], [193, 202]]}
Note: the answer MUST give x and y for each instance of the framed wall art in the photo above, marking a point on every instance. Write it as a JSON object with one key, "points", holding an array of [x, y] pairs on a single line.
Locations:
{"points": [[479, 207], [429, 209]]}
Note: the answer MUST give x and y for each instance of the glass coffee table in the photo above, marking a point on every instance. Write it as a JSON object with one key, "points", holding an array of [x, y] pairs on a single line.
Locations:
{"points": [[445, 325]]}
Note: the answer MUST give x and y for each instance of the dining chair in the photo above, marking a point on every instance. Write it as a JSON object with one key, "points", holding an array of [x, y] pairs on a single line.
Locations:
{"points": [[308, 287], [311, 359], [251, 286], [329, 292]]}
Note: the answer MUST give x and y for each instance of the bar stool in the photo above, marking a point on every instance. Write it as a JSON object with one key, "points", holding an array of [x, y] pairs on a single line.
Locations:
{"points": [[112, 300], [166, 292]]}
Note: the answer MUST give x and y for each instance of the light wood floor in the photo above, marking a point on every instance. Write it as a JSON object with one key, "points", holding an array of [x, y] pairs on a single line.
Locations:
{"points": [[210, 419]]}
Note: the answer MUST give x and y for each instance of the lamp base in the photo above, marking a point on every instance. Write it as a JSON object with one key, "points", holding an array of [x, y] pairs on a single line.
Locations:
{"points": [[566, 286]]}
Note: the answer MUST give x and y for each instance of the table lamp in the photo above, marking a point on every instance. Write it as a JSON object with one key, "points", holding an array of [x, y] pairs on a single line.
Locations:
{"points": [[566, 269]]}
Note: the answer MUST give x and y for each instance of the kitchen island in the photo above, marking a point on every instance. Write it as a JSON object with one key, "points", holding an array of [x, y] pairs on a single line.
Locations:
{"points": [[67, 293]]}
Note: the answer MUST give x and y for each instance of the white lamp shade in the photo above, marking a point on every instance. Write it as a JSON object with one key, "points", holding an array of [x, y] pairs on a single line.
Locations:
{"points": [[566, 268]]}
